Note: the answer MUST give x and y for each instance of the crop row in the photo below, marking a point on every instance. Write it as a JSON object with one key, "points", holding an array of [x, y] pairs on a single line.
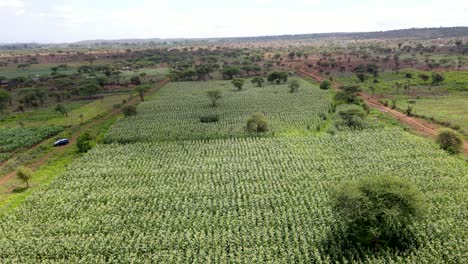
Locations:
{"points": [[176, 110], [245, 200], [15, 138]]}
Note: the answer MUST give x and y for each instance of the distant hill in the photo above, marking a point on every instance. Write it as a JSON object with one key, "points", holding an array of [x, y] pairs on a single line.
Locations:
{"points": [[412, 33]]}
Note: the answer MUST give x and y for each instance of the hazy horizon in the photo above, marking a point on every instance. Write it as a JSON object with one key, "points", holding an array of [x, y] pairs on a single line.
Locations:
{"points": [[60, 21]]}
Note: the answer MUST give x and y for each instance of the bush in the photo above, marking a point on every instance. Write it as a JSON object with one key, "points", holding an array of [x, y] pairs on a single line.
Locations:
{"points": [[257, 123], [325, 85], [294, 86], [377, 211], [351, 116], [450, 141], [84, 142], [129, 110], [209, 119]]}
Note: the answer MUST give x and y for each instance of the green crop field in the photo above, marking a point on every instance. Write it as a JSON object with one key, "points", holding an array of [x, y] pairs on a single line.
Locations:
{"points": [[230, 200], [15, 138], [166, 196], [175, 111]]}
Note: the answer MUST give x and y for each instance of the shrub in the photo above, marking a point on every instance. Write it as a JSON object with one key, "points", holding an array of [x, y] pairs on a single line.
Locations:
{"points": [[257, 123], [450, 141], [377, 211], [209, 119], [84, 142], [129, 110], [214, 96], [351, 116], [325, 85], [294, 86], [238, 83]]}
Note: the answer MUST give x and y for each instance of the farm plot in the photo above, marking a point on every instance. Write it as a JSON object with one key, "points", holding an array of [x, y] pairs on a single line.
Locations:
{"points": [[245, 200], [15, 138], [176, 111]]}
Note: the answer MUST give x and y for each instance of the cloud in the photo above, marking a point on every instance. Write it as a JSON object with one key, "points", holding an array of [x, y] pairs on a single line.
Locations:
{"points": [[11, 3]]}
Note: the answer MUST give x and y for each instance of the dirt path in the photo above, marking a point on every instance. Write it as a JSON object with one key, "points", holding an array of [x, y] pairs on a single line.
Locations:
{"points": [[421, 126], [41, 161]]}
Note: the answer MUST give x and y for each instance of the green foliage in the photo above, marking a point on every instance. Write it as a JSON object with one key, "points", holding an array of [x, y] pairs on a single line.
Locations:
{"points": [[437, 78], [24, 174], [209, 118], [84, 142], [238, 83], [450, 140], [5, 98], [136, 80], [378, 211], [325, 85], [129, 110], [294, 86], [258, 81], [278, 77], [230, 72], [257, 123], [350, 116], [141, 90], [61, 109], [214, 96]]}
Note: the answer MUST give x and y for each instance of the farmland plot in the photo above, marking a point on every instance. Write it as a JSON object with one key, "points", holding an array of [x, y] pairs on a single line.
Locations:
{"points": [[245, 200], [174, 113]]}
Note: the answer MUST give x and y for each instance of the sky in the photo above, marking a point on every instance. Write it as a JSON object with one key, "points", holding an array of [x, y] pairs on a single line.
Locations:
{"points": [[58, 21]]}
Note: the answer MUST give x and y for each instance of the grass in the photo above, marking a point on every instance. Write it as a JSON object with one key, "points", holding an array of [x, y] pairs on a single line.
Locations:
{"points": [[34, 70], [445, 103], [49, 116], [453, 109]]}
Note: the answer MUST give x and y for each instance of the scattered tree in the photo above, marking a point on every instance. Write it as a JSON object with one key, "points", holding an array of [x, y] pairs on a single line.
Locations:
{"points": [[294, 86], [61, 110], [257, 123], [141, 90], [258, 81], [450, 140], [353, 116], [238, 83], [325, 85], [214, 96], [377, 211], [24, 174], [84, 142], [437, 78]]}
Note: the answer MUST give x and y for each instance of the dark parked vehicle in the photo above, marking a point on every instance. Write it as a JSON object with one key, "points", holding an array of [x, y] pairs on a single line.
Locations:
{"points": [[61, 142]]}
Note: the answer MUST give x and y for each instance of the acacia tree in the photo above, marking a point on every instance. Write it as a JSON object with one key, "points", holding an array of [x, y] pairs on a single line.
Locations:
{"points": [[24, 174], [141, 90], [238, 83], [378, 210], [214, 96], [258, 81]]}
